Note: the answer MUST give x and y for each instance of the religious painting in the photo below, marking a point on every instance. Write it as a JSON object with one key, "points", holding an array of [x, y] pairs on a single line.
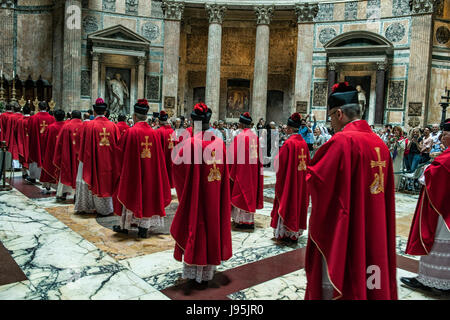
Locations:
{"points": [[301, 107], [415, 109], [118, 90], [238, 97], [169, 105]]}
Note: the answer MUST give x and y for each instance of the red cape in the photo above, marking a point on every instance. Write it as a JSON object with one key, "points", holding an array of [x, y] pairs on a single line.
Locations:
{"points": [[291, 192], [97, 146], [246, 176], [66, 154], [433, 202], [122, 126], [37, 126], [167, 141], [202, 223], [145, 172], [352, 223], [23, 140], [50, 173]]}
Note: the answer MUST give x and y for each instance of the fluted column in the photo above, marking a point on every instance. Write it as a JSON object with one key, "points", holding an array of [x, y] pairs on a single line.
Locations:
{"points": [[141, 77], [173, 12], [264, 15], [380, 92], [216, 14], [94, 76], [305, 16], [71, 58]]}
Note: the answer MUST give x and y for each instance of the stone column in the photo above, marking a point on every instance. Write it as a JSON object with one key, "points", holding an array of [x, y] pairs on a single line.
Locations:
{"points": [[94, 76], [305, 16], [380, 92], [212, 91], [71, 60], [173, 11], [264, 15], [141, 77], [332, 75]]}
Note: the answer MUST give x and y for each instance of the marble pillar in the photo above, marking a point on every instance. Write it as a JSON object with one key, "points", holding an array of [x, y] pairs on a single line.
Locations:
{"points": [[332, 76], [94, 75], [380, 92], [71, 59], [58, 50], [216, 14], [303, 71], [264, 15], [173, 12], [141, 77]]}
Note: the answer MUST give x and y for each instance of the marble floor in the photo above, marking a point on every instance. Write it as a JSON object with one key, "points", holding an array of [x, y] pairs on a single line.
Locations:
{"points": [[67, 256]]}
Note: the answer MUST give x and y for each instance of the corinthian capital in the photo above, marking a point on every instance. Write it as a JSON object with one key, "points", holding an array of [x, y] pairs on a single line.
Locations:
{"points": [[382, 66], [306, 12], [216, 12], [173, 10], [421, 6], [264, 14]]}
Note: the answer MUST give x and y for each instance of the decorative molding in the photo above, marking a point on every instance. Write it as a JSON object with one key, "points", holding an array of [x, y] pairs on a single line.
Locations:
{"points": [[306, 12], [264, 14], [109, 5], [85, 83], [326, 35], [439, 8], [332, 66], [415, 109], [8, 4], [131, 6], [373, 11], [172, 10], [153, 88], [400, 8], [90, 24], [414, 122], [301, 107], [150, 31], [382, 66], [215, 12], [395, 96], [141, 60], [422, 6], [442, 35], [351, 10], [320, 94], [326, 12], [395, 32]]}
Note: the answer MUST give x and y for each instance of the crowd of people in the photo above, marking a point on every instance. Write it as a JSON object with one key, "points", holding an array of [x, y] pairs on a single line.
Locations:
{"points": [[128, 167]]}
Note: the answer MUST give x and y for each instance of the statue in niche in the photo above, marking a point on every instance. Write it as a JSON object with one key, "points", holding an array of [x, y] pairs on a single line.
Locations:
{"points": [[362, 100], [117, 94]]}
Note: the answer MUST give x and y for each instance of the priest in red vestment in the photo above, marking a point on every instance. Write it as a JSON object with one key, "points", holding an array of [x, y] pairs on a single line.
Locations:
{"points": [[430, 231], [37, 127], [11, 133], [121, 124], [4, 133], [351, 243], [50, 173], [23, 140], [290, 207], [246, 175], [140, 158], [202, 223], [66, 155], [167, 141], [95, 177]]}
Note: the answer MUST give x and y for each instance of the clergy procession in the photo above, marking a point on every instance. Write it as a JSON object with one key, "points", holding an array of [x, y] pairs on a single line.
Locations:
{"points": [[342, 199]]}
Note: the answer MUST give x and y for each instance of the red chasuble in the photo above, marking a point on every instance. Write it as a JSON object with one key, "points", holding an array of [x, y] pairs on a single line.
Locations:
{"points": [[167, 141], [246, 172], [291, 192], [37, 126], [50, 173], [11, 134], [23, 140], [142, 185], [66, 154], [352, 223], [202, 223], [4, 118], [97, 146], [122, 126], [433, 202]]}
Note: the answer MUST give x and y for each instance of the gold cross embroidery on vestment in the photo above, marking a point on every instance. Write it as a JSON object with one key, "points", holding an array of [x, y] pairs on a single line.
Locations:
{"points": [[377, 185], [214, 173], [146, 151], [302, 163], [44, 125], [104, 141]]}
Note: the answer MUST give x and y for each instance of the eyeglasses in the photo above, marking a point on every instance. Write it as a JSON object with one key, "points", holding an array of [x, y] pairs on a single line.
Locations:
{"points": [[329, 116]]}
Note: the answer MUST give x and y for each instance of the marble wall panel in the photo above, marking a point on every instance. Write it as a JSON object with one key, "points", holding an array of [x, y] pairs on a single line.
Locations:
{"points": [[441, 35], [398, 72], [439, 80], [395, 117], [397, 32], [152, 30], [373, 26], [320, 73], [324, 33], [34, 2], [109, 21]]}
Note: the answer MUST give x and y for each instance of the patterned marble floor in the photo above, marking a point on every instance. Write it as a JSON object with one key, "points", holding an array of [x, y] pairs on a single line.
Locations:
{"points": [[68, 256]]}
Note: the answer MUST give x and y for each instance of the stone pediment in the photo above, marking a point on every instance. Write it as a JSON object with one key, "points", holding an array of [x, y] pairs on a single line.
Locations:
{"points": [[119, 36], [359, 42]]}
